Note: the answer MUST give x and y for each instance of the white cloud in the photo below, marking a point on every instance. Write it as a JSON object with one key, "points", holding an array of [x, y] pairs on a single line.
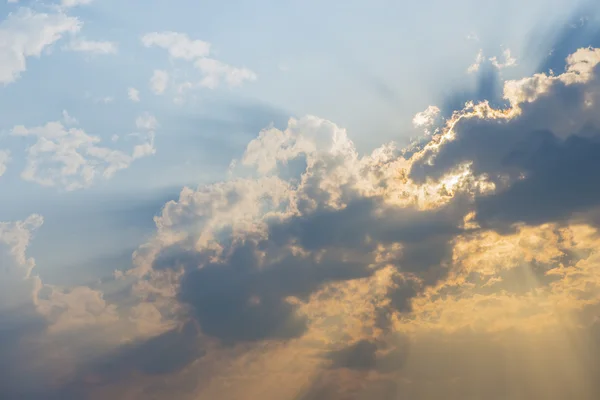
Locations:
{"points": [[27, 33], [71, 159], [478, 60], [73, 3], [133, 94], [69, 120], [426, 118], [179, 45], [92, 46], [509, 61], [214, 71], [159, 81], [17, 284], [4, 160]]}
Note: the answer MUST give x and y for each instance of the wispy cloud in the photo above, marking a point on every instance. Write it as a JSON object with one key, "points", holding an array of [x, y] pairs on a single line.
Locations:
{"points": [[83, 45]]}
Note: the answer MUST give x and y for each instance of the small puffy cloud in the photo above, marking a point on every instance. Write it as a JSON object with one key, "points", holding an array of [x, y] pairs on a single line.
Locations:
{"points": [[72, 159], [180, 46], [74, 3], [426, 118], [83, 45], [159, 81], [4, 160], [133, 94], [215, 71], [27, 33]]}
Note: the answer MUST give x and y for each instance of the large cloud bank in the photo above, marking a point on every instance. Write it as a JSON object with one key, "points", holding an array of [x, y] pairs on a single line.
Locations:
{"points": [[463, 267]]}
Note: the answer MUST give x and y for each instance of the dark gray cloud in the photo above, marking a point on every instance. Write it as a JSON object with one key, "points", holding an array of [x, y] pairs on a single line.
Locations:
{"points": [[163, 354], [560, 181], [364, 355], [237, 300], [361, 355], [17, 379], [559, 164]]}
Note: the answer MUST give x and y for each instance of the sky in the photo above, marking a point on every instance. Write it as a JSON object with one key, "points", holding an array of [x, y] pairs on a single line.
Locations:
{"points": [[299, 200]]}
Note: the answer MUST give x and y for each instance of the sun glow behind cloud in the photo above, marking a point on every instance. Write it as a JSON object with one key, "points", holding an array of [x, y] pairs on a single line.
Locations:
{"points": [[464, 265]]}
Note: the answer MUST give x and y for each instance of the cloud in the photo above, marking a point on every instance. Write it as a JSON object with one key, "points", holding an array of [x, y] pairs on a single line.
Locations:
{"points": [[18, 284], [466, 266], [214, 71], [180, 46], [68, 119], [74, 3], [478, 60], [18, 292], [159, 81], [382, 273], [526, 148], [509, 61], [4, 160], [133, 94], [92, 46], [426, 118], [27, 33], [71, 159]]}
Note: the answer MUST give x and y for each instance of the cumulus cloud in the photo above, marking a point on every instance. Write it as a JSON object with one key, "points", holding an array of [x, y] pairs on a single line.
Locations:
{"points": [[180, 46], [464, 267], [27, 33], [71, 159], [427, 118], [353, 265]]}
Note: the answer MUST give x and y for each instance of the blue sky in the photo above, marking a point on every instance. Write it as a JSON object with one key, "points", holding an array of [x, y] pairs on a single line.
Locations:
{"points": [[110, 109]]}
